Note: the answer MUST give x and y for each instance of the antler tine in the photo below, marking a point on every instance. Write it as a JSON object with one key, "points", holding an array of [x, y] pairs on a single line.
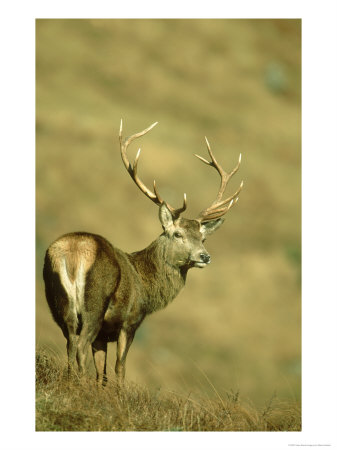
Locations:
{"points": [[218, 212], [132, 169], [219, 207], [176, 212], [236, 193], [156, 192]]}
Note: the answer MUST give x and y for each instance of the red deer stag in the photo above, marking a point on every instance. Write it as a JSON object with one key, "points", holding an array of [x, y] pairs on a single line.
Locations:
{"points": [[99, 294]]}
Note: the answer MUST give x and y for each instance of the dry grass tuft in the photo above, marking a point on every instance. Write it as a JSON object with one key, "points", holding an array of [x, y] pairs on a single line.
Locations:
{"points": [[82, 405]]}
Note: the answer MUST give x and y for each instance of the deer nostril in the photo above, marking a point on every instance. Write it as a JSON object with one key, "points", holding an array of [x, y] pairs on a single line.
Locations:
{"points": [[205, 257]]}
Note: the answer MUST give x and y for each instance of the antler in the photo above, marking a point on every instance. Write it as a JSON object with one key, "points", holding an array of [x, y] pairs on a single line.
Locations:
{"points": [[219, 207], [132, 169]]}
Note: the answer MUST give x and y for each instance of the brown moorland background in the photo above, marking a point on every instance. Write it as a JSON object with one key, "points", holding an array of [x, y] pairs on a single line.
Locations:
{"points": [[236, 325]]}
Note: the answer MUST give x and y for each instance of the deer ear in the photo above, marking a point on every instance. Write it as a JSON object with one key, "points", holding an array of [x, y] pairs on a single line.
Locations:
{"points": [[165, 216], [207, 228]]}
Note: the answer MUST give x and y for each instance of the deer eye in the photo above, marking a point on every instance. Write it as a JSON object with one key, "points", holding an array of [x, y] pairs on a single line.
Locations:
{"points": [[177, 234]]}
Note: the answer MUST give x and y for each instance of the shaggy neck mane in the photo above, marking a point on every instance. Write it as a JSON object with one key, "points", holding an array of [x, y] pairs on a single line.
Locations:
{"points": [[162, 280]]}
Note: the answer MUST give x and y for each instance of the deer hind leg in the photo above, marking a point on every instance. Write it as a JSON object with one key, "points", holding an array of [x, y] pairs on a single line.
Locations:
{"points": [[70, 330], [70, 326], [92, 324], [124, 341], [71, 351], [64, 299], [99, 352], [85, 339]]}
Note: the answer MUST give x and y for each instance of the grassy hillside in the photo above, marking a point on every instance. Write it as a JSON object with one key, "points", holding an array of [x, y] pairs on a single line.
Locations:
{"points": [[238, 83], [81, 405]]}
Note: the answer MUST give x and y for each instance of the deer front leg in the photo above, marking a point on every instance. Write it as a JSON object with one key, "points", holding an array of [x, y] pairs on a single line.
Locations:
{"points": [[124, 341], [99, 352]]}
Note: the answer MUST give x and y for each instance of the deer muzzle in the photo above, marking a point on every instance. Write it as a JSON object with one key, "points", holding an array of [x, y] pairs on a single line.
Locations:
{"points": [[204, 259]]}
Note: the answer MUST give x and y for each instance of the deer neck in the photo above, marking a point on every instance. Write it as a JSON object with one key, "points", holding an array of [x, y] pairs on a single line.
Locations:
{"points": [[161, 279]]}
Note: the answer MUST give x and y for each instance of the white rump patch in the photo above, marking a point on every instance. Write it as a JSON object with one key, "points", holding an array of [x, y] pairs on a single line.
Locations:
{"points": [[74, 289]]}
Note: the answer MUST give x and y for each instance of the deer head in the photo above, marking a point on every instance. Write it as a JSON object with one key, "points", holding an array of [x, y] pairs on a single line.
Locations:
{"points": [[184, 238]]}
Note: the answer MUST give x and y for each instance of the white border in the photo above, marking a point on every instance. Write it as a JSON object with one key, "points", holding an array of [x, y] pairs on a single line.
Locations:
{"points": [[319, 222]]}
